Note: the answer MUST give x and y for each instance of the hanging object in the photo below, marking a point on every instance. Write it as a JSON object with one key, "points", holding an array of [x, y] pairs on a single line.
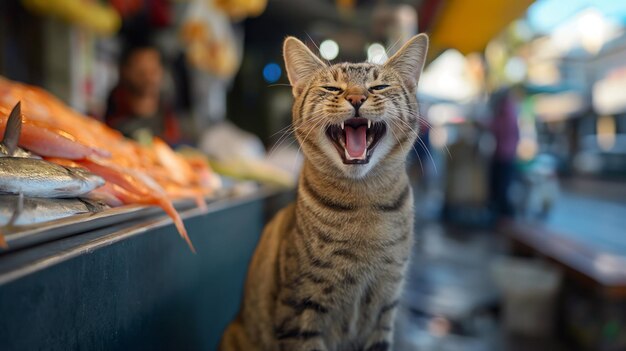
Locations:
{"points": [[240, 9], [127, 8], [91, 15], [161, 13], [211, 44], [346, 5], [144, 14]]}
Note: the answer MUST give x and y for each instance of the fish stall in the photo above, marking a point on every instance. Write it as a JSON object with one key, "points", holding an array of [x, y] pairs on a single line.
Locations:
{"points": [[108, 243]]}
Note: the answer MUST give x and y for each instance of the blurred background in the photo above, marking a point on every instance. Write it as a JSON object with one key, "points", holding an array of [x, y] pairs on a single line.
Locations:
{"points": [[519, 172]]}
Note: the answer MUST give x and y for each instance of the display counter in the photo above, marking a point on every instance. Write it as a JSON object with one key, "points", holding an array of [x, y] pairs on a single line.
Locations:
{"points": [[131, 282], [584, 236]]}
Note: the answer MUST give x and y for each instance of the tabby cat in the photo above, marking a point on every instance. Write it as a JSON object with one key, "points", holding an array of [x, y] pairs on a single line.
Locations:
{"points": [[328, 270]]}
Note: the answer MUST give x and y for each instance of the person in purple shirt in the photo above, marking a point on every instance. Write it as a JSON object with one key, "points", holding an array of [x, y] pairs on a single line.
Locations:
{"points": [[505, 130]]}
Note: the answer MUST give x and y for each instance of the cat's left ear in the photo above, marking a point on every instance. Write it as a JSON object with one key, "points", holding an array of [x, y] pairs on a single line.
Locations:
{"points": [[409, 60], [300, 63]]}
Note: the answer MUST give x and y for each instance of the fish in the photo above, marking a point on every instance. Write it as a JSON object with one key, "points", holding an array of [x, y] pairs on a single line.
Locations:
{"points": [[39, 178], [9, 144], [46, 140], [34, 210]]}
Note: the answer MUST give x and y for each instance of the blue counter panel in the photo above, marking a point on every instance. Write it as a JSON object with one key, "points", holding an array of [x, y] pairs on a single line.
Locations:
{"points": [[132, 286]]}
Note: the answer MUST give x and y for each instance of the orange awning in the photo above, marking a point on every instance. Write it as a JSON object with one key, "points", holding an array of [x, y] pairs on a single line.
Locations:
{"points": [[468, 25]]}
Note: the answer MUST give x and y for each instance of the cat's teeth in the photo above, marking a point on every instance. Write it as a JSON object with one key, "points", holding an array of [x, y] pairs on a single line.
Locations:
{"points": [[369, 124], [342, 126], [361, 157]]}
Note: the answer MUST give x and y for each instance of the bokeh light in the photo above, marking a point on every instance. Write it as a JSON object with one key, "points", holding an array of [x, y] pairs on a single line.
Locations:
{"points": [[329, 49], [271, 72], [376, 53]]}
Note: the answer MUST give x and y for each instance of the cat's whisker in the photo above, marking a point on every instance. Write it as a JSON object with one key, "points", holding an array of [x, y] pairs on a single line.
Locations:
{"points": [[430, 126], [293, 163], [318, 48], [415, 134], [283, 130], [280, 143], [320, 117], [419, 118], [395, 136], [398, 98], [423, 145], [279, 85], [419, 159], [419, 140], [392, 46], [287, 133], [320, 122]]}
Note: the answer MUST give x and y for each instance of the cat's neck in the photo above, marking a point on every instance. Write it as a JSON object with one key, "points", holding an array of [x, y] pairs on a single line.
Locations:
{"points": [[370, 189]]}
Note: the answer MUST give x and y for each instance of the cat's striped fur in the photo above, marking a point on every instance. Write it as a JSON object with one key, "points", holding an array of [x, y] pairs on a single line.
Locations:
{"points": [[328, 270]]}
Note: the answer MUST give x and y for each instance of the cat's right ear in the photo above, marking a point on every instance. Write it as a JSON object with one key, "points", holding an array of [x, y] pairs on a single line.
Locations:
{"points": [[300, 63]]}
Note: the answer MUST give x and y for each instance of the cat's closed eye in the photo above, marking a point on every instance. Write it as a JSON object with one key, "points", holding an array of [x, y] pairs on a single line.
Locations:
{"points": [[379, 87], [332, 89]]}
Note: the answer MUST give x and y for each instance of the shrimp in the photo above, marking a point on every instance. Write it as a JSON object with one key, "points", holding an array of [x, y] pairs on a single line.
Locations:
{"points": [[181, 171], [147, 190]]}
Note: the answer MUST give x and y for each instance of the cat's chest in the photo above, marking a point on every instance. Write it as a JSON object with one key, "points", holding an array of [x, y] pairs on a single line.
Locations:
{"points": [[374, 228], [363, 241]]}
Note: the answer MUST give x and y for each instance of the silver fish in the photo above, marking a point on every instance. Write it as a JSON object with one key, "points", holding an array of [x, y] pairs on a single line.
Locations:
{"points": [[39, 178], [12, 132], [33, 210]]}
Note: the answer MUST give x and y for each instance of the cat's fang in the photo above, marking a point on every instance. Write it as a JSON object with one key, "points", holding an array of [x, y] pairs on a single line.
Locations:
{"points": [[369, 124], [343, 126]]}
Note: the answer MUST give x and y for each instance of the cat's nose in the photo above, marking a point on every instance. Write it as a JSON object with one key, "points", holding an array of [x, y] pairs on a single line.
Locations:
{"points": [[356, 100]]}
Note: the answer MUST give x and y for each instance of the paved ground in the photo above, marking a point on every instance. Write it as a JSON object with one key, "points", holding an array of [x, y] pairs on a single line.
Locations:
{"points": [[451, 301]]}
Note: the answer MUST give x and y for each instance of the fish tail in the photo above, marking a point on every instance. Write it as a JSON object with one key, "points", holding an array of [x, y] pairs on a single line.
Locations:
{"points": [[13, 129], [178, 222]]}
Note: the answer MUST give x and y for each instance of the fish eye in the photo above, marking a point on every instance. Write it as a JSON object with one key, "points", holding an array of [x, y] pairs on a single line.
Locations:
{"points": [[332, 89], [379, 87]]}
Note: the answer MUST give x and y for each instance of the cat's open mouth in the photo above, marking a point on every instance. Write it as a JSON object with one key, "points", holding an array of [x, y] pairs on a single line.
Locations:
{"points": [[356, 138]]}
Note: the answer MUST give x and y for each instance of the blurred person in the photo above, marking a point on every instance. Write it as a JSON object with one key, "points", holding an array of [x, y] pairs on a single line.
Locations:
{"points": [[465, 194], [505, 130], [136, 106]]}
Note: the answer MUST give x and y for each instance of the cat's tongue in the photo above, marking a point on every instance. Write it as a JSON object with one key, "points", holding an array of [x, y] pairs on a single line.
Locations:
{"points": [[356, 141]]}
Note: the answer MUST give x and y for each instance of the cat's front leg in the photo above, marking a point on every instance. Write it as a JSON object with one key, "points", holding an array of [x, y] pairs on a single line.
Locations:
{"points": [[303, 344], [300, 325], [300, 337], [382, 337]]}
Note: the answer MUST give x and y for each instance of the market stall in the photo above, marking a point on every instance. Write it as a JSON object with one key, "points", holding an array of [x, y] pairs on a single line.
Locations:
{"points": [[116, 240], [125, 280]]}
